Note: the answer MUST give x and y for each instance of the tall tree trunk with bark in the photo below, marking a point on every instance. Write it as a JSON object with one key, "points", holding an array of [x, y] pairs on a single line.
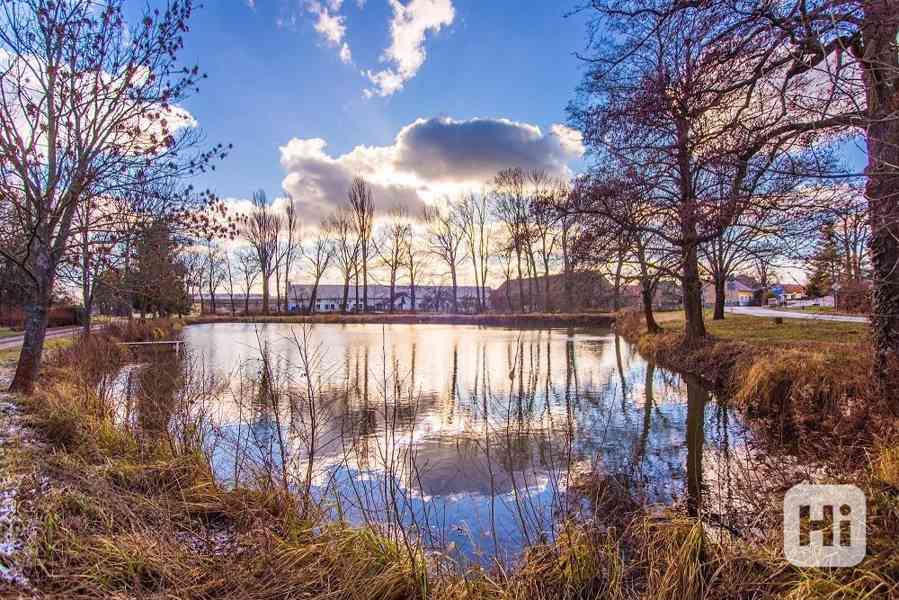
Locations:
{"points": [[455, 290], [720, 284], [646, 292], [520, 280], [43, 270], [346, 293], [694, 325], [882, 189]]}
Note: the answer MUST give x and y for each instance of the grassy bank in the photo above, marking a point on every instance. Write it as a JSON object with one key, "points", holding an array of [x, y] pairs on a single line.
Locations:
{"points": [[134, 511], [810, 382], [797, 375], [488, 319]]}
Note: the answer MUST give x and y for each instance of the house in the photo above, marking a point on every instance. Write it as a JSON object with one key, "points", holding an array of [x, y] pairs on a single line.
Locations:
{"points": [[428, 298], [787, 292], [738, 291]]}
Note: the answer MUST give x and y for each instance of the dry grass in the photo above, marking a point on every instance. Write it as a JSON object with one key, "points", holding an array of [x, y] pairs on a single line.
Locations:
{"points": [[127, 517], [800, 376]]}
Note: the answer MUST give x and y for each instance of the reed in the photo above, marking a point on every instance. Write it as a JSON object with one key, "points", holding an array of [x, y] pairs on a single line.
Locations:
{"points": [[136, 512]]}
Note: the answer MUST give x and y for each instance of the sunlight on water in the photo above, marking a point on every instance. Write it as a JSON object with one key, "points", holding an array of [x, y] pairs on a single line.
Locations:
{"points": [[472, 439]]}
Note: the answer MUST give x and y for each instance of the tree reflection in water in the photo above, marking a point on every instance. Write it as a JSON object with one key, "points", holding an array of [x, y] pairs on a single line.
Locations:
{"points": [[467, 439]]}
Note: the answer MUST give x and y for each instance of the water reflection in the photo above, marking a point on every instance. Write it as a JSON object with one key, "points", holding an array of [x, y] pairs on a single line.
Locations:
{"points": [[470, 438]]}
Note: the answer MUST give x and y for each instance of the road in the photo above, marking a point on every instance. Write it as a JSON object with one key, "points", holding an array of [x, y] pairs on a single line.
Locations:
{"points": [[758, 311], [14, 341]]}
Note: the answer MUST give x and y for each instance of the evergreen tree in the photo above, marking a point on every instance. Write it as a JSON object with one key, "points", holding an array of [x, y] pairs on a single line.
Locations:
{"points": [[826, 263], [158, 281]]}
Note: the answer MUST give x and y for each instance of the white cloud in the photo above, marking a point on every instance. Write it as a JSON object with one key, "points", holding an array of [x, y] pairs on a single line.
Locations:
{"points": [[429, 159], [331, 26], [406, 54]]}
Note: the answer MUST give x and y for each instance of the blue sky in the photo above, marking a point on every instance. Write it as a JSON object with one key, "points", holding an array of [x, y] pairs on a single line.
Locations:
{"points": [[273, 77]]}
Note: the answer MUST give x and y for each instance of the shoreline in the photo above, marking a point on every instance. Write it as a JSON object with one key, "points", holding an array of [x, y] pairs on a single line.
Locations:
{"points": [[605, 320], [795, 386]]}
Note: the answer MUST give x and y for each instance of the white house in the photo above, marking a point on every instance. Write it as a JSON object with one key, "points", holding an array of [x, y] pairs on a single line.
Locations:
{"points": [[433, 298]]}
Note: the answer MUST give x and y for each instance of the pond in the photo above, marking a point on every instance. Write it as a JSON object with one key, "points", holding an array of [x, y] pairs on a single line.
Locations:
{"points": [[479, 441]]}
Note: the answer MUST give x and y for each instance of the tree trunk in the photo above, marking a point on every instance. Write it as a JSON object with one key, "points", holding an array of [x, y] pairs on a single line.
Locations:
{"points": [[455, 291], [313, 296], [566, 277], [616, 286], [646, 289], [364, 279], [265, 292], [547, 303], [694, 326], [882, 188], [720, 297], [33, 343], [520, 280], [477, 280], [346, 293], [392, 291], [87, 294]]}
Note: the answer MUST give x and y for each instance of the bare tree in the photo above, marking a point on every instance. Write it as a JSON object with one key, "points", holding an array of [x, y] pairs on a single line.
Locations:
{"points": [[510, 205], [415, 260], [87, 109], [473, 214], [346, 249], [292, 243], [391, 247], [214, 269], [446, 237], [319, 254], [249, 269], [262, 228], [229, 280], [546, 193], [362, 205], [665, 102]]}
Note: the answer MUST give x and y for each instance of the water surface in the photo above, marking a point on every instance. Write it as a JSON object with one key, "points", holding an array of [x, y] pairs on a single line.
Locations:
{"points": [[473, 439]]}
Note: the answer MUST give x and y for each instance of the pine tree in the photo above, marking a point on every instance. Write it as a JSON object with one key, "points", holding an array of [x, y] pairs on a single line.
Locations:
{"points": [[158, 281], [826, 263]]}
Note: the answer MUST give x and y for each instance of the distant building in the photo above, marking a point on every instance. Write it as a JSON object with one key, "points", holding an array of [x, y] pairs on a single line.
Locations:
{"points": [[589, 291], [428, 298], [204, 303], [787, 292], [742, 290]]}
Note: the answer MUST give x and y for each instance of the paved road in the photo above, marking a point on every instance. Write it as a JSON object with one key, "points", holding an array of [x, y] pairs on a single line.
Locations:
{"points": [[757, 311], [14, 341]]}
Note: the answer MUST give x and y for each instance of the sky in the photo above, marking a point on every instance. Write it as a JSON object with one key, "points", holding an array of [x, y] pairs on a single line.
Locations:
{"points": [[425, 98]]}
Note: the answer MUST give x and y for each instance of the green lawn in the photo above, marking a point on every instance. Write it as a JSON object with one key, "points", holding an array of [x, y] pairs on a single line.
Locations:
{"points": [[765, 330], [7, 332]]}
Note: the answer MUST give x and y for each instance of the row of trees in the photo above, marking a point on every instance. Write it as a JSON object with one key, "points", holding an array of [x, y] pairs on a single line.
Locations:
{"points": [[708, 121], [518, 225]]}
